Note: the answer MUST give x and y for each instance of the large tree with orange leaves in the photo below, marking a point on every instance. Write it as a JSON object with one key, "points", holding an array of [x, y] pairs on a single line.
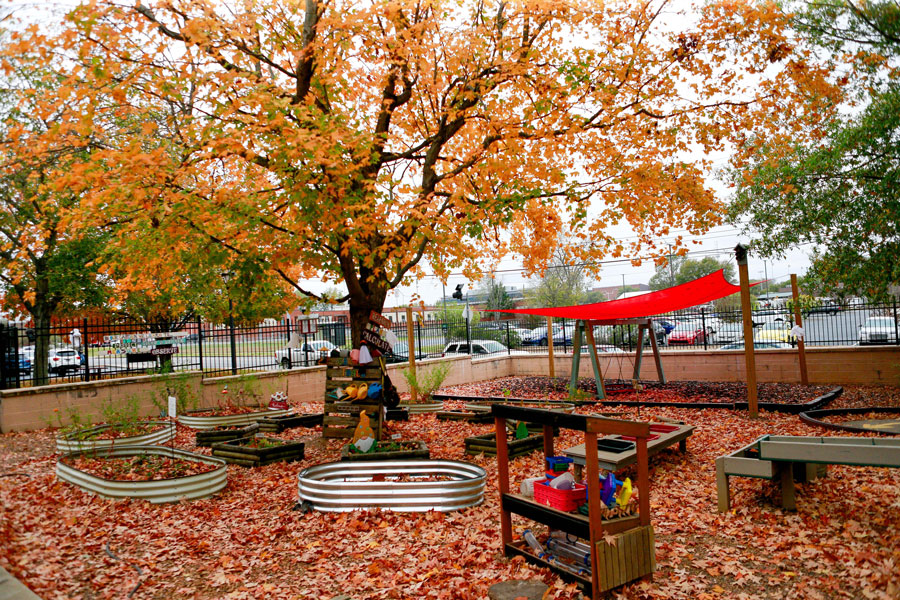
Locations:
{"points": [[352, 141]]}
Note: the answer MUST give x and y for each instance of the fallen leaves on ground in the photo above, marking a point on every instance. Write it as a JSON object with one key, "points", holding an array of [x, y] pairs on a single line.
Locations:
{"points": [[246, 542]]}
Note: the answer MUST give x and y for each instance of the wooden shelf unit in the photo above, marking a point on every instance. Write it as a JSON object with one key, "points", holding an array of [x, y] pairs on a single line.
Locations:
{"points": [[633, 556], [341, 418]]}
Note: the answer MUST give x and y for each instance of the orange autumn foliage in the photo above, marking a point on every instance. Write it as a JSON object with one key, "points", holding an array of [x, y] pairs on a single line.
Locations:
{"points": [[354, 141]]}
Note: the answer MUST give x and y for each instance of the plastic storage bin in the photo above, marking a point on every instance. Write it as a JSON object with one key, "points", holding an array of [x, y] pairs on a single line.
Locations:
{"points": [[565, 500]]}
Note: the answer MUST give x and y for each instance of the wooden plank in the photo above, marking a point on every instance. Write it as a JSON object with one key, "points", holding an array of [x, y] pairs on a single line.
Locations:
{"points": [[336, 432], [831, 453], [888, 442], [573, 523], [788, 492], [652, 547], [330, 421], [748, 467]]}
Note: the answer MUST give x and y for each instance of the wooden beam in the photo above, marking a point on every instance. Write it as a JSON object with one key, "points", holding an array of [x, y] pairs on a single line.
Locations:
{"points": [[746, 310], [656, 357], [798, 318], [595, 361], [576, 358], [503, 477]]}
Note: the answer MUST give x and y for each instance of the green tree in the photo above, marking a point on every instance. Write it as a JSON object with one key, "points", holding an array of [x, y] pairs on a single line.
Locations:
{"points": [[840, 193], [687, 269], [495, 294], [47, 269], [564, 282]]}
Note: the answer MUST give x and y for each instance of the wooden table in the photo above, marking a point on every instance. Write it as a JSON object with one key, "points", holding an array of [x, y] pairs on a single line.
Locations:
{"points": [[613, 461]]}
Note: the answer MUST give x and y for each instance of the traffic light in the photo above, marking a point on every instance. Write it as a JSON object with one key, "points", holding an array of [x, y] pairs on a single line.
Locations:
{"points": [[458, 293]]}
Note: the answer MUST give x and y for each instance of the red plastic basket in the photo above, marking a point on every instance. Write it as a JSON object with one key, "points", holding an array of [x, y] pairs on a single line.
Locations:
{"points": [[565, 500], [663, 428]]}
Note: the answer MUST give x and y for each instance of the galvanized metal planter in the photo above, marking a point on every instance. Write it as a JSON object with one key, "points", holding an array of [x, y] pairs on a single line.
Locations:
{"points": [[346, 486], [163, 490], [70, 442], [422, 408], [216, 421]]}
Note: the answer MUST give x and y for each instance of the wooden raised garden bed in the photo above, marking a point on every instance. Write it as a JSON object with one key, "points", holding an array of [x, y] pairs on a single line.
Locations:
{"points": [[258, 450], [208, 437], [389, 451], [279, 424], [487, 444], [468, 416]]}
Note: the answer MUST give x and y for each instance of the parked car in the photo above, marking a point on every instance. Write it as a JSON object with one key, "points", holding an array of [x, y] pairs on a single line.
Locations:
{"points": [[829, 308], [400, 354], [63, 360], [761, 317], [538, 336], [776, 331], [305, 355], [603, 348], [878, 330], [689, 333], [21, 364], [756, 345], [727, 333], [479, 348]]}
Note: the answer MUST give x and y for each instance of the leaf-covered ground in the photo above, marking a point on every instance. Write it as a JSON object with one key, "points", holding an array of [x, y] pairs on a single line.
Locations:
{"points": [[246, 542]]}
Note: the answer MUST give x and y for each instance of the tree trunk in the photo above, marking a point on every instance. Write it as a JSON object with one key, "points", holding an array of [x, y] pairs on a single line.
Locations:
{"points": [[361, 305], [41, 316]]}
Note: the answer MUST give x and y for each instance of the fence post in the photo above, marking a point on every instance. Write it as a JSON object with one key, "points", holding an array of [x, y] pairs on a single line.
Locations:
{"points": [[231, 338], [419, 336], [896, 333], [703, 324], [290, 351], [86, 345], [200, 343], [468, 336], [508, 345]]}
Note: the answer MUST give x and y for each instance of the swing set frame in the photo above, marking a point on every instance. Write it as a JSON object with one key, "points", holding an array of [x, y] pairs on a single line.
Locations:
{"points": [[587, 326]]}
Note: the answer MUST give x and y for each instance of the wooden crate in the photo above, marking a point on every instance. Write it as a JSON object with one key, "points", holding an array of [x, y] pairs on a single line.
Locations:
{"points": [[341, 418], [632, 556], [487, 444]]}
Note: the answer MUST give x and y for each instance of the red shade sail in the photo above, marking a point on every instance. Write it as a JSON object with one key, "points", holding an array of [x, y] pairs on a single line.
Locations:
{"points": [[700, 291]]}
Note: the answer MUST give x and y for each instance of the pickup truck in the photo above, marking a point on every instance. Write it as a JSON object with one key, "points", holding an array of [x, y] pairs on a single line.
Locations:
{"points": [[304, 356]]}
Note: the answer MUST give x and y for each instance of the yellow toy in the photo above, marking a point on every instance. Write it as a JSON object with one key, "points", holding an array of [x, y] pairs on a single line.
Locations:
{"points": [[350, 390], [362, 392], [624, 493]]}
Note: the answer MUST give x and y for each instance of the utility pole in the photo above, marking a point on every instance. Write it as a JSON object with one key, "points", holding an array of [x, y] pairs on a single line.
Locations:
{"points": [[671, 268]]}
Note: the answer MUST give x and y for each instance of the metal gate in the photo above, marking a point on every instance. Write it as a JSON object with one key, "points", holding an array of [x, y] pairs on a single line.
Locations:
{"points": [[9, 357]]}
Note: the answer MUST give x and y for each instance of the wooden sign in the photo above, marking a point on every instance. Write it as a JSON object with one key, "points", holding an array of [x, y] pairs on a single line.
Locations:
{"points": [[164, 351], [373, 339], [380, 320]]}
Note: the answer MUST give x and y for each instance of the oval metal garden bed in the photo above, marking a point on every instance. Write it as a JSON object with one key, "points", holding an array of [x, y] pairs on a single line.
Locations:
{"points": [[423, 407], [155, 491], [397, 485], [195, 422], [80, 440], [815, 417]]}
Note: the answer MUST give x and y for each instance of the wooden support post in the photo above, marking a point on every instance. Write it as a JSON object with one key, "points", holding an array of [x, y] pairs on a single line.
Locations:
{"points": [[749, 356], [788, 491], [550, 346], [798, 318], [724, 494], [576, 358], [593, 492], [656, 357], [595, 361], [503, 478], [548, 441], [639, 353], [411, 345], [643, 475]]}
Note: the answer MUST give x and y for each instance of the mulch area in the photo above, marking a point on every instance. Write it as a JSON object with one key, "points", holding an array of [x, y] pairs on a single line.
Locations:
{"points": [[677, 391], [246, 542]]}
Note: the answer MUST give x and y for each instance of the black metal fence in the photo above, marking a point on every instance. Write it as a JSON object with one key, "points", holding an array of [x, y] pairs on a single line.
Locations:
{"points": [[89, 349]]}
